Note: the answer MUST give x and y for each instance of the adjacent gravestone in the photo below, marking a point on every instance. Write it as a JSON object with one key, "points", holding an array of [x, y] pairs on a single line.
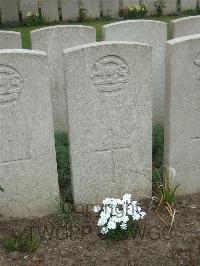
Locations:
{"points": [[126, 3], [185, 26], [10, 40], [182, 127], [70, 9], [53, 40], [9, 11], [188, 4], [28, 6], [153, 33], [27, 152], [93, 8], [110, 8], [171, 7], [49, 10], [110, 119], [150, 7]]}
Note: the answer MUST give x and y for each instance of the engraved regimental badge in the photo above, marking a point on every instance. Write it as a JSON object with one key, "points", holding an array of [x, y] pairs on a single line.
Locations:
{"points": [[11, 84], [110, 74]]}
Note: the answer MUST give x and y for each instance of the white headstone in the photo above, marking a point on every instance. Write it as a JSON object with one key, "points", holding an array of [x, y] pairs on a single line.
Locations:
{"points": [[9, 11], [49, 10], [182, 125], [53, 40], [28, 171], [188, 4], [153, 33], [126, 3], [110, 8], [28, 6], [93, 8], [185, 26], [150, 7], [70, 9], [10, 40], [171, 7], [110, 120]]}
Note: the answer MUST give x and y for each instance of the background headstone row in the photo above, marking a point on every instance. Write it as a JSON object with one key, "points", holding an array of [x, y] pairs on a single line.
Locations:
{"points": [[56, 10]]}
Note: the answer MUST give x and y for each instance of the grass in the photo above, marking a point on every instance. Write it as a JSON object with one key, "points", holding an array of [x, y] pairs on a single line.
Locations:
{"points": [[25, 31], [22, 242]]}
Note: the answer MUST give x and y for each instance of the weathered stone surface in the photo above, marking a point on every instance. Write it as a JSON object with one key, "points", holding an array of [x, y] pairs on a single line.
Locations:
{"points": [[185, 26], [53, 40], [110, 119], [182, 126], [10, 40], [93, 8], [9, 11], [153, 33], [188, 4], [110, 8], [126, 3], [28, 6], [49, 10], [150, 7], [171, 7], [28, 171], [70, 9]]}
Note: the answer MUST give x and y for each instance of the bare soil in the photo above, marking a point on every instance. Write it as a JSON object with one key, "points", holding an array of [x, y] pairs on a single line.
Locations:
{"points": [[154, 244]]}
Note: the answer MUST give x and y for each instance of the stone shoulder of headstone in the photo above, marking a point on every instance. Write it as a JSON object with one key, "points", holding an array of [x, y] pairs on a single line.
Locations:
{"points": [[98, 44], [182, 127], [10, 40], [28, 171], [131, 23], [185, 26], [109, 99], [41, 38], [182, 39], [23, 52]]}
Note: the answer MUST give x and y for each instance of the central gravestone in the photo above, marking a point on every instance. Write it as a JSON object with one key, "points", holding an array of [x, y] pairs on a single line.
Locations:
{"points": [[109, 98], [28, 171]]}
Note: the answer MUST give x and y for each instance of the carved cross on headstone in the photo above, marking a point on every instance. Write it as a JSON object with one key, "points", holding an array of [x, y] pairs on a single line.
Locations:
{"points": [[112, 149]]}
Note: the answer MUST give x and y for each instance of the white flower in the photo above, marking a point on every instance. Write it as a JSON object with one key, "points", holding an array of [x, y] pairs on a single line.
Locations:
{"points": [[130, 210], [102, 221], [117, 219], [123, 226], [104, 230], [136, 216], [106, 211], [105, 215], [96, 209], [111, 224], [127, 198], [142, 214], [172, 172], [107, 201], [125, 219]]}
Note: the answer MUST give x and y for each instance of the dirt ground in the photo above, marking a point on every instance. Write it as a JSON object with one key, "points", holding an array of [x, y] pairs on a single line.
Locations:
{"points": [[153, 244]]}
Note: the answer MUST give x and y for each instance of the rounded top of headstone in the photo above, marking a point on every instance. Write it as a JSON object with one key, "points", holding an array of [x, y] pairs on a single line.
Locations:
{"points": [[22, 52], [62, 27], [185, 19], [10, 32], [183, 39], [107, 43], [136, 22]]}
